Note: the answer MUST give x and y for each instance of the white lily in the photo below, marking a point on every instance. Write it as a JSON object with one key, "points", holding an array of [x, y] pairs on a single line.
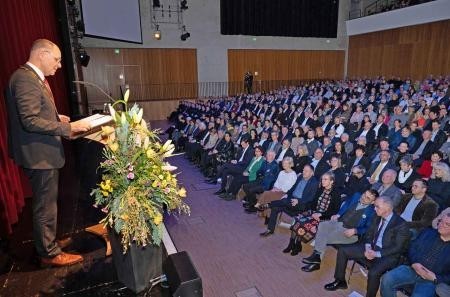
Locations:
{"points": [[126, 95], [123, 119], [166, 145], [146, 142], [169, 168], [112, 111], [168, 153]]}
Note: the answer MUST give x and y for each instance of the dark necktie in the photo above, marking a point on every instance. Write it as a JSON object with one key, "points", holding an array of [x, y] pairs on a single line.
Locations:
{"points": [[377, 234]]}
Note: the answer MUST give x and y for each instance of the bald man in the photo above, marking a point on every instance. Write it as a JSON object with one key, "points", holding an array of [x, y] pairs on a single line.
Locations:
{"points": [[35, 131]]}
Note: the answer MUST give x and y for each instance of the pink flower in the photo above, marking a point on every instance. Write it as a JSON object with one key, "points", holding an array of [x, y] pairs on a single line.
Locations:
{"points": [[130, 175], [95, 205], [130, 168], [105, 209], [167, 190]]}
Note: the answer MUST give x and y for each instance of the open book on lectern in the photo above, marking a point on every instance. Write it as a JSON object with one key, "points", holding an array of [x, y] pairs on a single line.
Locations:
{"points": [[96, 121]]}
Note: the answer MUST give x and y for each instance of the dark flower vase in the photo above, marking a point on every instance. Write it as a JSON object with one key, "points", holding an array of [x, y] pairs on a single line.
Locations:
{"points": [[138, 265]]}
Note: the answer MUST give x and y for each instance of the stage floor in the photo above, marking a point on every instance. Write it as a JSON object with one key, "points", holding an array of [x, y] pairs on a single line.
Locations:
{"points": [[222, 240]]}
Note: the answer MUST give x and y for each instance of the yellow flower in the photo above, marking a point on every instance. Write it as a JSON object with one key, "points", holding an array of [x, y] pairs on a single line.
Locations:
{"points": [[105, 193], [150, 153], [107, 130], [124, 217], [113, 146], [155, 184], [182, 192], [106, 186], [157, 219], [161, 176]]}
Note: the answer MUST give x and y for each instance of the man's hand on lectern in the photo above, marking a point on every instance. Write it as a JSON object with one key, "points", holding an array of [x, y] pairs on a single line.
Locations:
{"points": [[80, 126], [64, 118]]}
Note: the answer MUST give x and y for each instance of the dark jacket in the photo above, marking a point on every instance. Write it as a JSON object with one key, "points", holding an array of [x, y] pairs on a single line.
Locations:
{"points": [[422, 245], [311, 188], [321, 168], [439, 191], [355, 185], [35, 130], [382, 132], [289, 153], [300, 162], [374, 166], [366, 217], [268, 172], [249, 153], [427, 151], [406, 186], [395, 238], [424, 213], [333, 207], [365, 161]]}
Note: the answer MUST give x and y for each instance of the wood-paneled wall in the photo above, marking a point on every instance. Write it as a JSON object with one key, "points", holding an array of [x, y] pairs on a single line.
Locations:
{"points": [[157, 78], [275, 67], [413, 51]]}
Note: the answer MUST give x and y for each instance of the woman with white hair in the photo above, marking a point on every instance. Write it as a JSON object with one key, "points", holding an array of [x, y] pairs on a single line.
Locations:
{"points": [[439, 184]]}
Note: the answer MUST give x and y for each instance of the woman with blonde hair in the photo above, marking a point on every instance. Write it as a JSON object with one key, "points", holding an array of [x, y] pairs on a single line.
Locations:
{"points": [[439, 184], [285, 180], [301, 158]]}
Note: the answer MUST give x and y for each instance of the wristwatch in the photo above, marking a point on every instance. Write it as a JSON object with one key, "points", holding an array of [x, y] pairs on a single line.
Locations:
{"points": [[435, 281]]}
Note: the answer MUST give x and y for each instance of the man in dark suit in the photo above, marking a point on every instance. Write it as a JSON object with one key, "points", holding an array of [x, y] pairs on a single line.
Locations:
{"points": [[35, 131], [358, 159], [236, 166], [422, 150], [303, 191], [385, 241], [380, 128]]}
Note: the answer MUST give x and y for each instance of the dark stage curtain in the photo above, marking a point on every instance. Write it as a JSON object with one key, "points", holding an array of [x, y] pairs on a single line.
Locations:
{"points": [[22, 22], [294, 18]]}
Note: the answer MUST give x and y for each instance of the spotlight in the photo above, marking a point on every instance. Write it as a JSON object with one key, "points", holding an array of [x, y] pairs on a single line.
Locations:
{"points": [[157, 33], [184, 34], [183, 4], [156, 3], [71, 2], [84, 58]]}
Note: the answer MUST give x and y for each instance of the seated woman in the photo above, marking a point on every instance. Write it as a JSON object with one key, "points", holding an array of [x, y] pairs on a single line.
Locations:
{"points": [[426, 168], [324, 205], [285, 180], [407, 175], [439, 185], [338, 171], [249, 175], [301, 158]]}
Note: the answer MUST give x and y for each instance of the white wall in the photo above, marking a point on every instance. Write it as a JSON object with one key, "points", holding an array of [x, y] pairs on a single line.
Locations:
{"points": [[202, 20], [418, 14]]}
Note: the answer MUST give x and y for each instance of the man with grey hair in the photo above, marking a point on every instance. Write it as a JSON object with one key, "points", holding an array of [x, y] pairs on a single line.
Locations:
{"points": [[35, 131], [429, 264], [387, 188], [386, 240]]}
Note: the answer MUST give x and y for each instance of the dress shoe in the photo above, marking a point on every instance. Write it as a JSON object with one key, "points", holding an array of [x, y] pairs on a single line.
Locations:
{"points": [[288, 249], [251, 209], [313, 259], [311, 267], [336, 285], [221, 191], [65, 242], [63, 259], [229, 197], [263, 207], [266, 233], [223, 195]]}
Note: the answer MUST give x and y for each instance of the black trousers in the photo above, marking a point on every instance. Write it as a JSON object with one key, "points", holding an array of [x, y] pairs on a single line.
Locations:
{"points": [[229, 169], [44, 183], [237, 182], [251, 189], [377, 267], [282, 205]]}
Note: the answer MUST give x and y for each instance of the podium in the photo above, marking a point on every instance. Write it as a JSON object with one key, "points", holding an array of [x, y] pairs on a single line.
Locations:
{"points": [[94, 143]]}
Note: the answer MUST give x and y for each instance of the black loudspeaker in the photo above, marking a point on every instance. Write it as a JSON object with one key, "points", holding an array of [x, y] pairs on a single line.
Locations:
{"points": [[183, 278]]}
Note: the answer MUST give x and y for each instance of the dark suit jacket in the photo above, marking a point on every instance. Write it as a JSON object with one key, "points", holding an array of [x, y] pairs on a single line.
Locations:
{"points": [[424, 213], [382, 132], [35, 130], [427, 151], [249, 153], [321, 168], [370, 136], [374, 166], [308, 193], [365, 162], [395, 238], [289, 153]]}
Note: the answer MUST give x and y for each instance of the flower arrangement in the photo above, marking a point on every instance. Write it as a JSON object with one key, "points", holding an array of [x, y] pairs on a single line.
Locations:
{"points": [[137, 183]]}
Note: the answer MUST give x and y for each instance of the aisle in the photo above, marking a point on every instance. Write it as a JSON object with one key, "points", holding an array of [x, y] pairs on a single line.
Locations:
{"points": [[232, 259]]}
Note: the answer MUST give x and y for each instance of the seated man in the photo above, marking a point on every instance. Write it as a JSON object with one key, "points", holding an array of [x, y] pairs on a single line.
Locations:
{"points": [[236, 166], [384, 243], [387, 188], [417, 208], [267, 174], [345, 227], [429, 263], [304, 190]]}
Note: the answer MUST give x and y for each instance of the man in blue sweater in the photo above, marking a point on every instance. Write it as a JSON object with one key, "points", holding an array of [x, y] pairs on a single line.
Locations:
{"points": [[429, 263], [350, 223]]}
